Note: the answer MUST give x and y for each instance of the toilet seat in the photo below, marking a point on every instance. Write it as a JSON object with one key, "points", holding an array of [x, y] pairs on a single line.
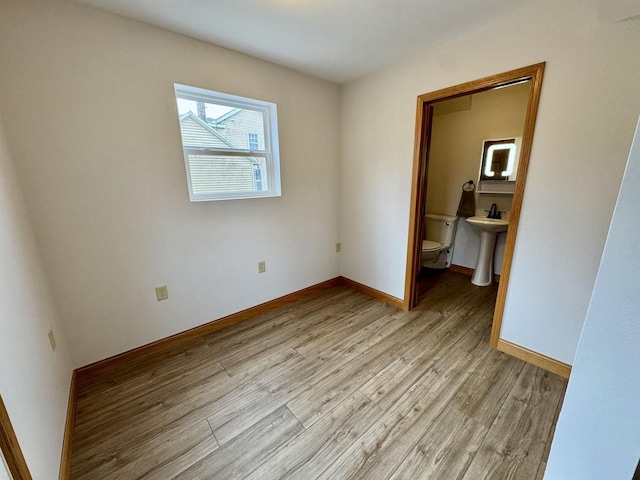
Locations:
{"points": [[429, 246]]}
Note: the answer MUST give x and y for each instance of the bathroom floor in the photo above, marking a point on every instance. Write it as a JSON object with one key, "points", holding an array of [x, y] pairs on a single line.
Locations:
{"points": [[337, 385], [431, 278]]}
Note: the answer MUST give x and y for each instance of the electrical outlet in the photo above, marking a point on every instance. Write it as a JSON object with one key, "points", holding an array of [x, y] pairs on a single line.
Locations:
{"points": [[52, 340], [262, 267], [162, 293], [338, 247]]}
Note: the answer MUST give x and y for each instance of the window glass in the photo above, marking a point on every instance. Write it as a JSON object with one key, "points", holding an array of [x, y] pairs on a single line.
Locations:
{"points": [[218, 132]]}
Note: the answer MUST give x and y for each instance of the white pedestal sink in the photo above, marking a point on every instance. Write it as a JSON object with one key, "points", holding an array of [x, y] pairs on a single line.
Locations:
{"points": [[489, 230]]}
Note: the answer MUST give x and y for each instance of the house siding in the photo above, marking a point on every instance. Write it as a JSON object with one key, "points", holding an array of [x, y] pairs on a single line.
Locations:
{"points": [[239, 125], [195, 135], [221, 174]]}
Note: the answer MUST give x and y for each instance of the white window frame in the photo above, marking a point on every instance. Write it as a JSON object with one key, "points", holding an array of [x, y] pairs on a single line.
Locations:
{"points": [[270, 153]]}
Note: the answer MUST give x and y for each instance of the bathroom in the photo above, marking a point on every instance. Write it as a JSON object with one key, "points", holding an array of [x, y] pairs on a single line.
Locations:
{"points": [[459, 128]]}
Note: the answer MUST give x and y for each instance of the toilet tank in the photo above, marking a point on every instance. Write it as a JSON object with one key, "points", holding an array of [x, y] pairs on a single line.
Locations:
{"points": [[441, 228]]}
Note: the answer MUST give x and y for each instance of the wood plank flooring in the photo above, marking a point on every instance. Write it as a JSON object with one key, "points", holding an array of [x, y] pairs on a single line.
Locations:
{"points": [[335, 386]]}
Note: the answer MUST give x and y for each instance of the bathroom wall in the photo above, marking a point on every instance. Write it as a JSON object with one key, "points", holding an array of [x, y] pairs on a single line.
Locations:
{"points": [[460, 126], [106, 183], [588, 109]]}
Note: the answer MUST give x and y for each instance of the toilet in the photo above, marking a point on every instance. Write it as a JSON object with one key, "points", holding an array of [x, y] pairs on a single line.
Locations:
{"points": [[437, 248]]}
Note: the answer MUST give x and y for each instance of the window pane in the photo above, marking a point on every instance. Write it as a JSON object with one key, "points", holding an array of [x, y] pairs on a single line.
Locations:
{"points": [[254, 142], [219, 174], [230, 144], [206, 124]]}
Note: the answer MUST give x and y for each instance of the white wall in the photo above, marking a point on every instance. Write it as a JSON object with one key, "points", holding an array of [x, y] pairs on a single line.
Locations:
{"points": [[456, 147], [587, 113], [4, 469], [95, 134], [597, 435], [34, 381]]}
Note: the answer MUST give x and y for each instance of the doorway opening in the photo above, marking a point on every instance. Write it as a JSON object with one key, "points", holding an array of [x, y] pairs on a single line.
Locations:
{"points": [[426, 105]]}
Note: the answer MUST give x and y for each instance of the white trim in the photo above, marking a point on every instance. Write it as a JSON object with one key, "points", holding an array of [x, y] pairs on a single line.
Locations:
{"points": [[202, 95]]}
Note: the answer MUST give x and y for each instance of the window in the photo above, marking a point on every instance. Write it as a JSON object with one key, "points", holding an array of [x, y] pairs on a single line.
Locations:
{"points": [[230, 145], [253, 141], [257, 178]]}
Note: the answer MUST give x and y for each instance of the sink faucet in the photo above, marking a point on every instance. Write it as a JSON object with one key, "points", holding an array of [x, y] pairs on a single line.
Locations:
{"points": [[493, 211]]}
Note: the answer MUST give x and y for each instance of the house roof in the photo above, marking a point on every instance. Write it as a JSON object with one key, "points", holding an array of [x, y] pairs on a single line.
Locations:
{"points": [[191, 116], [228, 115], [205, 125]]}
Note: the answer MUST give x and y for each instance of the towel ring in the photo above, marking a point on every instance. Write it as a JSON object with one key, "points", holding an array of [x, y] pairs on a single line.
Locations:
{"points": [[468, 186]]}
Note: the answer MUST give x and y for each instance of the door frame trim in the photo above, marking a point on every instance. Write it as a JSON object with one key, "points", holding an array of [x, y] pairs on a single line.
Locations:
{"points": [[419, 184], [11, 448]]}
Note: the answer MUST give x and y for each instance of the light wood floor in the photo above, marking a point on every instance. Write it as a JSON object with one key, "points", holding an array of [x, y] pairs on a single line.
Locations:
{"points": [[335, 386]]}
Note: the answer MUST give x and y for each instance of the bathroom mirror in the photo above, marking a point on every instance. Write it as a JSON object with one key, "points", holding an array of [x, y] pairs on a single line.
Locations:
{"points": [[499, 165]]}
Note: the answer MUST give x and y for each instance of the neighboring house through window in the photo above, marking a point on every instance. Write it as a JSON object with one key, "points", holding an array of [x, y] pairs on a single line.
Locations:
{"points": [[230, 145]]}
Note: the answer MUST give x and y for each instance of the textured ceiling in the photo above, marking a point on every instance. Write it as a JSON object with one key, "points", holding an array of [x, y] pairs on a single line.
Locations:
{"points": [[338, 40]]}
